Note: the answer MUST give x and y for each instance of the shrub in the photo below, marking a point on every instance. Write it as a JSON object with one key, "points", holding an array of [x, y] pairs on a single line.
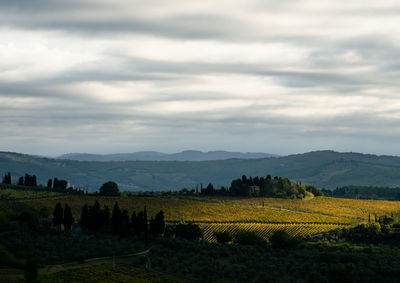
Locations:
{"points": [[248, 238], [188, 231], [282, 240], [223, 237]]}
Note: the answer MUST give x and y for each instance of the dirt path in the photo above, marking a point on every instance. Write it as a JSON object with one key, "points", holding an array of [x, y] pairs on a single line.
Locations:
{"points": [[50, 269]]}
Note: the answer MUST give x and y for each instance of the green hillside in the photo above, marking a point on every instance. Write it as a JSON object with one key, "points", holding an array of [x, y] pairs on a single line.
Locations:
{"points": [[324, 169]]}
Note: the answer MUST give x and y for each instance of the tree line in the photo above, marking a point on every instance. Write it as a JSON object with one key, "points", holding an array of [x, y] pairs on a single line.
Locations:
{"points": [[263, 187], [30, 182], [96, 219], [365, 192]]}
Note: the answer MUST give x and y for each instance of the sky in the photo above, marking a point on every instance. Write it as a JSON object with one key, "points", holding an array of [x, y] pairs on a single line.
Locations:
{"points": [[272, 76]]}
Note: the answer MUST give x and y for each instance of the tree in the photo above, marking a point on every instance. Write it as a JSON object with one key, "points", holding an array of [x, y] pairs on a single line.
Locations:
{"points": [[8, 180], [145, 227], [21, 181], [116, 220], [157, 225], [58, 216], [33, 181], [94, 216], [139, 224], [50, 183], [27, 181], [85, 217], [133, 222], [109, 189], [124, 223], [188, 231], [104, 218], [68, 218]]}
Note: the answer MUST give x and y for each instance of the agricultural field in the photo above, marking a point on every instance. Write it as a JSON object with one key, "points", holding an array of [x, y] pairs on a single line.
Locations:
{"points": [[193, 210], [339, 207], [14, 194], [266, 230]]}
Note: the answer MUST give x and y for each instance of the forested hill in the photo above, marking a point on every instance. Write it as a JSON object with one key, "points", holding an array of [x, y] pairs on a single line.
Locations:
{"points": [[187, 155], [324, 169]]}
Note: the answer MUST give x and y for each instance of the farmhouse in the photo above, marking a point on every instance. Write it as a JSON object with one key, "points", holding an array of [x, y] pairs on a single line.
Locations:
{"points": [[254, 190]]}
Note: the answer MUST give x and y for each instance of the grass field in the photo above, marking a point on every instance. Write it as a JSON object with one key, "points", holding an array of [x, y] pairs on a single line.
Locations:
{"points": [[193, 210]]}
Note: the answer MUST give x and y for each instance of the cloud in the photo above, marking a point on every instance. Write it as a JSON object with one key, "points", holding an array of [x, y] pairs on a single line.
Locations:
{"points": [[283, 77]]}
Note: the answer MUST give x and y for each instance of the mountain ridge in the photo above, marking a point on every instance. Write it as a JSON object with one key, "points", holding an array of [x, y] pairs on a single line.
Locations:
{"points": [[324, 169], [186, 155]]}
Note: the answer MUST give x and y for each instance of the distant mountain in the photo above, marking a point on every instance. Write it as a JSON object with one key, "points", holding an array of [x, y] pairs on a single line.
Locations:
{"points": [[188, 155], [324, 169]]}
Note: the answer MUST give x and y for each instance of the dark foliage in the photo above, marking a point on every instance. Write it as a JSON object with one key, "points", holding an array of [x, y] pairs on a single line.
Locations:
{"points": [[223, 237], [282, 240], [207, 262], [363, 192], [68, 218], [7, 179], [264, 187], [58, 215], [248, 238], [189, 231], [109, 189], [157, 225]]}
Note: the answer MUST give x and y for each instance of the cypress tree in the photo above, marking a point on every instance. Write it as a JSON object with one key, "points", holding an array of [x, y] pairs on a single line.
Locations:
{"points": [[116, 220], [21, 181], [50, 183], [94, 216], [27, 180], [55, 184], [139, 223], [105, 218], [33, 181], [85, 217], [68, 218], [145, 227], [133, 222], [124, 223], [58, 216], [157, 225], [9, 178]]}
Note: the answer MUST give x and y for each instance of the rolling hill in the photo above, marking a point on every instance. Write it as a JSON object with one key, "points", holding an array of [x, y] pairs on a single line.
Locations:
{"points": [[325, 169], [187, 155]]}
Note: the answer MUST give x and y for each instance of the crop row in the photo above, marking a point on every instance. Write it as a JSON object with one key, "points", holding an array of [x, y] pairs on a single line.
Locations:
{"points": [[266, 230], [191, 210], [340, 207]]}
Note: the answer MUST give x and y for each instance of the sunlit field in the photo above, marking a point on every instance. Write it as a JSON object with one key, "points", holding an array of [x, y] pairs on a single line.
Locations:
{"points": [[194, 210], [323, 205], [266, 230]]}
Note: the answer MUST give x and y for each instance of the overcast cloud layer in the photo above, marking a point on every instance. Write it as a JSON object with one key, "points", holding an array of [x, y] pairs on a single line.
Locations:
{"points": [[273, 76]]}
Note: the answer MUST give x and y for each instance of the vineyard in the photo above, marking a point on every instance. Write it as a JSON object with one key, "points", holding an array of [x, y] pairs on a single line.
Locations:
{"points": [[266, 230], [193, 210], [340, 207]]}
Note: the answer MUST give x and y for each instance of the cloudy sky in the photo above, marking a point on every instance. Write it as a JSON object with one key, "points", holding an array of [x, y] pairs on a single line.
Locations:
{"points": [[275, 76]]}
